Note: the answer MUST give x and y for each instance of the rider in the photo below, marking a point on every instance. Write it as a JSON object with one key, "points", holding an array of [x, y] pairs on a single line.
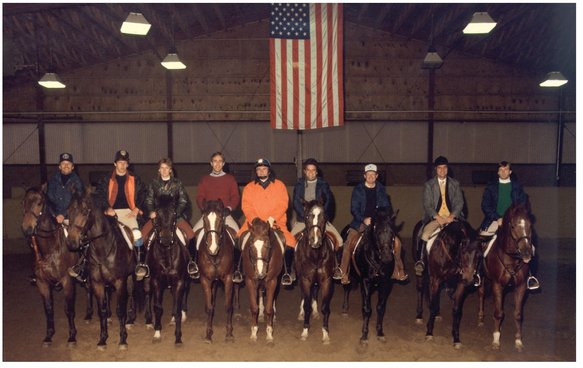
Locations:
{"points": [[367, 197], [122, 194], [498, 196], [312, 186], [166, 184], [59, 190], [266, 197], [218, 185], [443, 202]]}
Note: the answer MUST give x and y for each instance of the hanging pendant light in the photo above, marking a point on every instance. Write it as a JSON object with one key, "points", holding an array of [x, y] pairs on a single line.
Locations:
{"points": [[51, 80], [135, 24], [172, 61], [481, 23], [554, 79]]}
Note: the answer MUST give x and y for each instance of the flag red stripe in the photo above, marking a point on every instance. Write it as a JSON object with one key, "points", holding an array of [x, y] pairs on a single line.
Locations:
{"points": [[272, 82], [318, 39], [283, 83], [308, 87], [296, 85], [330, 78]]}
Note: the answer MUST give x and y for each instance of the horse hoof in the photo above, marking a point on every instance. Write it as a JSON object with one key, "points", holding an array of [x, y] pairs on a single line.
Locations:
{"points": [[149, 326], [495, 346], [419, 321], [129, 326], [229, 339], [178, 344], [47, 344], [457, 345], [156, 340], [326, 341], [363, 342], [428, 338], [382, 338], [303, 337], [269, 342], [438, 318], [123, 347], [71, 344], [208, 340], [101, 347], [481, 324]]}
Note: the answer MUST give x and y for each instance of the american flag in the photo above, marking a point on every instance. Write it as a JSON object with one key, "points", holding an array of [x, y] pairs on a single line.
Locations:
{"points": [[305, 54]]}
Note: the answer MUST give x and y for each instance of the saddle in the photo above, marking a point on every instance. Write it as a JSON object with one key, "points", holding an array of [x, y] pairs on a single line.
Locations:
{"points": [[179, 233]]}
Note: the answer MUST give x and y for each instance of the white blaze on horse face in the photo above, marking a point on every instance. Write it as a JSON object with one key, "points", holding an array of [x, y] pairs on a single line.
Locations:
{"points": [[258, 244], [214, 242], [316, 212]]}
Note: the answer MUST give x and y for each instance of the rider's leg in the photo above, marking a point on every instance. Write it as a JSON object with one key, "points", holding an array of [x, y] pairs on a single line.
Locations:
{"points": [[399, 270], [192, 267], [239, 246], [532, 282], [347, 250], [142, 269], [288, 275], [427, 230]]}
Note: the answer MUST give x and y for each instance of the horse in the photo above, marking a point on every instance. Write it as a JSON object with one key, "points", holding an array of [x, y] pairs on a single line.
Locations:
{"points": [[314, 264], [507, 263], [110, 261], [452, 261], [216, 263], [166, 258], [373, 262], [52, 258], [262, 258]]}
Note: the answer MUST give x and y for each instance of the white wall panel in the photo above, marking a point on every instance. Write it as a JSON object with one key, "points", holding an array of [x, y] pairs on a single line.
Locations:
{"points": [[20, 144]]}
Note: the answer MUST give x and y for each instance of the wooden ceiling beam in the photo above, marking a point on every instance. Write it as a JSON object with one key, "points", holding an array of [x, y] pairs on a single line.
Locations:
{"points": [[201, 18], [220, 16]]}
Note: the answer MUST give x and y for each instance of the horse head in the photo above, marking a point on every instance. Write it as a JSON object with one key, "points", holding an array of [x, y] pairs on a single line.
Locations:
{"points": [[383, 233], [165, 221], [33, 206], [213, 222], [462, 250], [261, 240], [79, 214], [517, 229], [315, 221]]}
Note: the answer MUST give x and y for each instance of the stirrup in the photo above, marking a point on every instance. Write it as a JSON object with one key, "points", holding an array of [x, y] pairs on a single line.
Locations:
{"points": [[419, 268], [532, 283], [76, 272], [337, 274], [477, 280], [286, 279], [192, 270], [142, 270], [237, 277]]}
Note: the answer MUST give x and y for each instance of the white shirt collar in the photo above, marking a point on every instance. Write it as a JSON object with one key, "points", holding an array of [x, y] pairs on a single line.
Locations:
{"points": [[504, 181]]}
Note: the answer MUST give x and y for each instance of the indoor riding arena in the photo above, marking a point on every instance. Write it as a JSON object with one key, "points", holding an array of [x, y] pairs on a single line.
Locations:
{"points": [[352, 84]]}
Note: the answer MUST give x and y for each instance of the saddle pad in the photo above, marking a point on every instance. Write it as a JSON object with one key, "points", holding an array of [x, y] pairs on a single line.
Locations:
{"points": [[356, 245], [489, 245], [122, 227], [245, 238], [281, 243], [432, 238], [181, 236]]}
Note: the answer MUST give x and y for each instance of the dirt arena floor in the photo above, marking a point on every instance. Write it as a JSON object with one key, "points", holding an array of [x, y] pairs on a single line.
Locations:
{"points": [[549, 329]]}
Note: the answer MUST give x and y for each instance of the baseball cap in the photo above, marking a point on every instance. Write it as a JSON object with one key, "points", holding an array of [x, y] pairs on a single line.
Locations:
{"points": [[440, 161], [262, 162], [122, 155], [370, 167], [65, 157]]}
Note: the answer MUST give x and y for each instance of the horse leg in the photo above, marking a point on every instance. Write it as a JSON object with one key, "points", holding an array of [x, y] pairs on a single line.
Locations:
{"points": [[383, 295], [327, 292], [307, 306], [519, 294], [270, 287], [419, 285], [131, 310], [209, 308], [185, 299], [70, 291], [102, 303], [228, 283], [89, 299], [47, 297], [121, 288], [253, 292], [497, 292], [434, 292], [345, 298], [178, 297], [158, 296], [481, 296], [365, 291], [458, 302]]}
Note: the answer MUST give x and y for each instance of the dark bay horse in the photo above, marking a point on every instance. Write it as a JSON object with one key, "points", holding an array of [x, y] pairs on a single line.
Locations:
{"points": [[262, 258], [507, 264], [216, 263], [452, 262], [167, 258], [314, 264], [52, 258], [110, 261], [373, 262]]}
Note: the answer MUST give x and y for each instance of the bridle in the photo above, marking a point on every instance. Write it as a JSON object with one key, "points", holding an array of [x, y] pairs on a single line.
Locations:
{"points": [[254, 259], [158, 231]]}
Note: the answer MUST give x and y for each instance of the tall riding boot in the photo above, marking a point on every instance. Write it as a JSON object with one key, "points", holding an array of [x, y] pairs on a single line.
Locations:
{"points": [[289, 276], [237, 275], [337, 275], [399, 273], [192, 267], [142, 269], [419, 265]]}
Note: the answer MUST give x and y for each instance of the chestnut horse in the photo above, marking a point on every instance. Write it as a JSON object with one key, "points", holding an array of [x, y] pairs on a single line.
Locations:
{"points": [[216, 263], [262, 258], [110, 261], [314, 264], [506, 263], [51, 259], [452, 262], [167, 258]]}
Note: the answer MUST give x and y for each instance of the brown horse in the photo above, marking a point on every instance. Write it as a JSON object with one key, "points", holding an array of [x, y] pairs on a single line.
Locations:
{"points": [[262, 257], [452, 262], [216, 263], [167, 258], [314, 264], [51, 259], [507, 263], [110, 261]]}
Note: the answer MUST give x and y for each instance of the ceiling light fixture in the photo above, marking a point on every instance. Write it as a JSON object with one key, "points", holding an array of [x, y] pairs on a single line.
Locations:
{"points": [[554, 79], [432, 59], [51, 80], [172, 61], [481, 23], [135, 24]]}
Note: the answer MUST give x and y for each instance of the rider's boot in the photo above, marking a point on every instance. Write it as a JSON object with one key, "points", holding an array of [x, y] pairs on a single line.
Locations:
{"points": [[192, 267], [337, 270], [142, 269], [237, 275], [419, 265], [289, 276], [77, 271]]}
